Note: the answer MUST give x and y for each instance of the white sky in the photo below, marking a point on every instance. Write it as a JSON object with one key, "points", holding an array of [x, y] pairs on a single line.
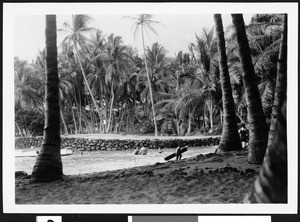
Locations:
{"points": [[175, 33]]}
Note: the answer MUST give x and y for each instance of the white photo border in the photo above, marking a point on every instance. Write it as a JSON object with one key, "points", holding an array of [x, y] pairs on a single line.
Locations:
{"points": [[12, 9]]}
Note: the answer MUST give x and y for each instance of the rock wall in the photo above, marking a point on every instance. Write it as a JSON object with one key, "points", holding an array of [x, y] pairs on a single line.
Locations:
{"points": [[83, 144]]}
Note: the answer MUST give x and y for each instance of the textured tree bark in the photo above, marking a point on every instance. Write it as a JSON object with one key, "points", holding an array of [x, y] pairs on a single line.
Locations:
{"points": [[258, 132], [281, 83], [230, 139], [48, 165], [64, 122], [271, 184], [150, 86]]}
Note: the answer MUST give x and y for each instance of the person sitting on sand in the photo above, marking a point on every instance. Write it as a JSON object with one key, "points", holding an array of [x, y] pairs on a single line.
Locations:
{"points": [[243, 132], [137, 151], [143, 151]]}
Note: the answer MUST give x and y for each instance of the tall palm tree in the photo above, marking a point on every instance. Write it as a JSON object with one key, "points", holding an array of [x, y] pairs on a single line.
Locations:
{"points": [[77, 39], [281, 82], [65, 85], [116, 62], [264, 41], [258, 134], [207, 64], [48, 165], [144, 21], [271, 184], [230, 138]]}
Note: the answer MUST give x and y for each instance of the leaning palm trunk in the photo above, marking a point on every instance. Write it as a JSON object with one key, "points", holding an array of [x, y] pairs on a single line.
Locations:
{"points": [[19, 130], [189, 124], [150, 87], [230, 139], [48, 165], [271, 184], [86, 83], [258, 133], [111, 107], [64, 122], [74, 120], [281, 83]]}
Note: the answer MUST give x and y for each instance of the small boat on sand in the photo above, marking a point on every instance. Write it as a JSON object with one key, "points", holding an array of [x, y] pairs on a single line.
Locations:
{"points": [[33, 152]]}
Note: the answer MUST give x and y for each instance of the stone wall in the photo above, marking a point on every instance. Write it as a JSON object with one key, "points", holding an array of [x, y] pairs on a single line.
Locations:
{"points": [[83, 144]]}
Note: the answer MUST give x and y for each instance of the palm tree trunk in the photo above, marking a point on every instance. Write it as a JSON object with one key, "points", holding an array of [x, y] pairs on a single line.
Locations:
{"points": [[230, 139], [258, 133], [48, 165], [221, 116], [111, 107], [86, 83], [20, 132], [189, 124], [74, 120], [64, 122], [211, 120], [271, 184], [281, 83], [149, 83]]}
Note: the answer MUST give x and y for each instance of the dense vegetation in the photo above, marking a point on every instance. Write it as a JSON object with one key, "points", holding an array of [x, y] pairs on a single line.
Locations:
{"points": [[104, 84]]}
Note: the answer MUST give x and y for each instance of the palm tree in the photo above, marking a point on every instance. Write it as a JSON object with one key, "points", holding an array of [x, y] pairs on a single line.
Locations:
{"points": [[207, 64], [230, 138], [271, 184], [48, 165], [145, 21], [26, 86], [258, 134], [281, 82], [264, 40], [116, 61], [76, 38], [65, 85]]}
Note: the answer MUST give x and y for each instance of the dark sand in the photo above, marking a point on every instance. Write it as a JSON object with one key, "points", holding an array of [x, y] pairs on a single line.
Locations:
{"points": [[211, 178]]}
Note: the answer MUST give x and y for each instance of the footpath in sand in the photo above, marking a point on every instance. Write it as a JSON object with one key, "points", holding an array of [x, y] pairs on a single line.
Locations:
{"points": [[210, 178]]}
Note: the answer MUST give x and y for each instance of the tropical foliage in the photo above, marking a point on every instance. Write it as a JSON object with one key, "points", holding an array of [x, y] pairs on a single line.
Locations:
{"points": [[108, 87]]}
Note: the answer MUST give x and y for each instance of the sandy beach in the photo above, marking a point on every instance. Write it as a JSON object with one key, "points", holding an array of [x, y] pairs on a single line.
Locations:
{"points": [[210, 178]]}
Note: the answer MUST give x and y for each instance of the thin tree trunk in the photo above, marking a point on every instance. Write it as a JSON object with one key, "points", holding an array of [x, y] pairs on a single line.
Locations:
{"points": [[241, 119], [149, 83], [211, 120], [230, 139], [221, 116], [281, 83], [64, 122], [189, 124], [25, 133], [74, 120], [258, 132], [86, 82], [111, 107], [48, 165], [204, 120], [20, 132], [79, 113]]}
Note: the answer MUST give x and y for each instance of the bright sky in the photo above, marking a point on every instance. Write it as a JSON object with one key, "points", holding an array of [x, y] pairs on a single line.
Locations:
{"points": [[175, 31]]}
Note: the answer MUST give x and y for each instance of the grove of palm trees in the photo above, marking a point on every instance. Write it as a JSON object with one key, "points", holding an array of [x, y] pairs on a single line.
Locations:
{"points": [[93, 85]]}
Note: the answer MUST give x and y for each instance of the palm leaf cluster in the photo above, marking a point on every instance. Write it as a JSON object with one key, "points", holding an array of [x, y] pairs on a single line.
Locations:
{"points": [[104, 84]]}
